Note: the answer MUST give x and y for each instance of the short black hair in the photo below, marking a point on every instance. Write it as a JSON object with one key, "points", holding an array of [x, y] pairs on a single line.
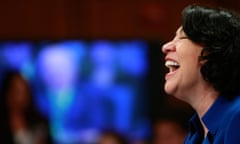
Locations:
{"points": [[218, 31]]}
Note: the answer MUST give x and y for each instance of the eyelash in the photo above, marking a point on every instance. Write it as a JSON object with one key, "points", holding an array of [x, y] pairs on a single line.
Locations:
{"points": [[183, 37]]}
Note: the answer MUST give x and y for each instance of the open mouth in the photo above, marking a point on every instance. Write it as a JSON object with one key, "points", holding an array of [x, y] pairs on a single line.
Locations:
{"points": [[172, 65]]}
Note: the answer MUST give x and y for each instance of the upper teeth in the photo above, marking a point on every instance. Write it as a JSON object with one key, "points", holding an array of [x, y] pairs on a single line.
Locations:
{"points": [[171, 63]]}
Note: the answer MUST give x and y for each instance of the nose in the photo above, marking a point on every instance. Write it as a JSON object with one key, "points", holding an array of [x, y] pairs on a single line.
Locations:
{"points": [[168, 47]]}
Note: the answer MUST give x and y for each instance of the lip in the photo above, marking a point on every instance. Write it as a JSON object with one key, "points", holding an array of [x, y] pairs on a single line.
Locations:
{"points": [[170, 74], [171, 59]]}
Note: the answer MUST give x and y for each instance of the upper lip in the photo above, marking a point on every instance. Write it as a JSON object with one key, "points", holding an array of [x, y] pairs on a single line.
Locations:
{"points": [[171, 63], [170, 59]]}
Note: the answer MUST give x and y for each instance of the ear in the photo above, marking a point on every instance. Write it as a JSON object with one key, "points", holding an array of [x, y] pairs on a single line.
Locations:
{"points": [[202, 62], [200, 58]]}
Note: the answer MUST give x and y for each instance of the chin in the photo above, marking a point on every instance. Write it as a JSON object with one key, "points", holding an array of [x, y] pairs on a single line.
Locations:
{"points": [[173, 91], [169, 90]]}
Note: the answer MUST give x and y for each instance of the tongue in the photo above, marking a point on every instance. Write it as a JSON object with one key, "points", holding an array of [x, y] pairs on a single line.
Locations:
{"points": [[172, 68]]}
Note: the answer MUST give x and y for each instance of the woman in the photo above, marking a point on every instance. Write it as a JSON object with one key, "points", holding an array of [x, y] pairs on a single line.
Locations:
{"points": [[20, 122], [204, 72]]}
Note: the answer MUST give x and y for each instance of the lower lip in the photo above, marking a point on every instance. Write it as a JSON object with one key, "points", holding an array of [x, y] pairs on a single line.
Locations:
{"points": [[170, 74]]}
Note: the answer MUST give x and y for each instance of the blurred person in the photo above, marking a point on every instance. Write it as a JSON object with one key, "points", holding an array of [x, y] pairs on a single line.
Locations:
{"points": [[20, 121], [170, 127], [203, 71], [168, 132]]}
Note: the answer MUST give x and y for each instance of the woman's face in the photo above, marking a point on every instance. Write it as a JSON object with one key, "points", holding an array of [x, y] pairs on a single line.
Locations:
{"points": [[182, 59]]}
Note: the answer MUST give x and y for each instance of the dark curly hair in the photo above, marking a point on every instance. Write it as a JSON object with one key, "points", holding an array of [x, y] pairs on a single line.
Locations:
{"points": [[218, 31]]}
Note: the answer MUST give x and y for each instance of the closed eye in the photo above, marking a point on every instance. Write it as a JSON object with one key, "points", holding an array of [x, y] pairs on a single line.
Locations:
{"points": [[184, 37]]}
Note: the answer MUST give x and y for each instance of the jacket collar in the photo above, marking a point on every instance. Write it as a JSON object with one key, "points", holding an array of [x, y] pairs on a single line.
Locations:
{"points": [[214, 117]]}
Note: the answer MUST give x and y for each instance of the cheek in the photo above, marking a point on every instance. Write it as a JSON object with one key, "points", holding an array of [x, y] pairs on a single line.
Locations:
{"points": [[190, 69], [189, 51], [190, 63]]}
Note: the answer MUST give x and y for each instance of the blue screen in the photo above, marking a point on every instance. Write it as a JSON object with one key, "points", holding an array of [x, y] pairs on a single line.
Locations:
{"points": [[84, 87]]}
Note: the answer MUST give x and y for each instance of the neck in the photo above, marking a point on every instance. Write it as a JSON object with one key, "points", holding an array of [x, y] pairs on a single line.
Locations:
{"points": [[202, 101]]}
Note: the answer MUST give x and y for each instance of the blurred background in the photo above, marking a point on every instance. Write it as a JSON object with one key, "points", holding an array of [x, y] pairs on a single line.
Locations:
{"points": [[95, 66]]}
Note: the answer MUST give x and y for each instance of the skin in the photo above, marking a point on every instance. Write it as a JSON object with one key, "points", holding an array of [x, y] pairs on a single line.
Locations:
{"points": [[187, 77], [18, 95], [18, 101], [186, 83]]}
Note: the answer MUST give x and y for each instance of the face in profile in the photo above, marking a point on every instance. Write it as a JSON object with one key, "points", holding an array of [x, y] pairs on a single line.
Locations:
{"points": [[182, 60], [18, 94]]}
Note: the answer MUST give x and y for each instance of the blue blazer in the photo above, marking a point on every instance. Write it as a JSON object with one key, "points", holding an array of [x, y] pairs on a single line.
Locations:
{"points": [[222, 121]]}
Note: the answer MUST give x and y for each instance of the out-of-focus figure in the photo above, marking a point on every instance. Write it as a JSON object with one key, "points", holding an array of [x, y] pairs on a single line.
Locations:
{"points": [[20, 122], [169, 132], [171, 126]]}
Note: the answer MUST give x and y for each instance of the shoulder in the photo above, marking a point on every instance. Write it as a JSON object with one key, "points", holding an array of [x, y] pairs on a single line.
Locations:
{"points": [[232, 134]]}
